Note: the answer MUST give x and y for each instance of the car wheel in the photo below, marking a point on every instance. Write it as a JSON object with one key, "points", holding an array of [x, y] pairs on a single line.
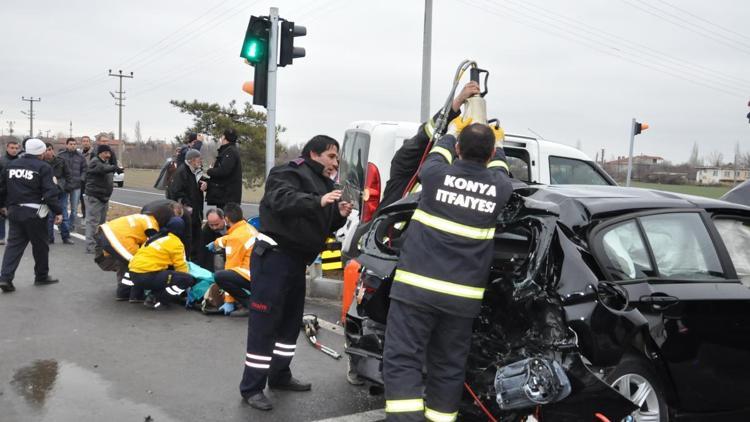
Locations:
{"points": [[119, 184], [634, 379]]}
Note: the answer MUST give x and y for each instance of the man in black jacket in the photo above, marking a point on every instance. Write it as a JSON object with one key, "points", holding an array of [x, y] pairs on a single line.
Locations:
{"points": [[298, 211], [27, 195], [77, 166], [99, 188], [185, 189], [12, 148], [63, 179], [225, 184]]}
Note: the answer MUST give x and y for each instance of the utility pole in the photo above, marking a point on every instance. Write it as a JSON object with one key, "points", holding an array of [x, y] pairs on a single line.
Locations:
{"points": [[630, 157], [424, 113], [48, 131], [31, 101], [70, 135], [10, 126], [273, 53], [119, 103]]}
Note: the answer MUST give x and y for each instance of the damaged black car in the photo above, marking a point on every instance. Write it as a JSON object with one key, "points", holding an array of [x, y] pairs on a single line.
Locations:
{"points": [[604, 303]]}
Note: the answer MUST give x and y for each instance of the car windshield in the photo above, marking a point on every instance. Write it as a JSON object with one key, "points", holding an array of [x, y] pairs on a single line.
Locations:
{"points": [[736, 237]]}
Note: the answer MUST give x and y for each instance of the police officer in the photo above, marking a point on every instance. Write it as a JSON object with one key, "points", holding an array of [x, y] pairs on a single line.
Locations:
{"points": [[298, 211], [441, 275], [27, 195]]}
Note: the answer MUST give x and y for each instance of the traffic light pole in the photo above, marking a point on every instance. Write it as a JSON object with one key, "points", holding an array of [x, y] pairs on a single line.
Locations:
{"points": [[424, 114], [273, 53], [630, 157]]}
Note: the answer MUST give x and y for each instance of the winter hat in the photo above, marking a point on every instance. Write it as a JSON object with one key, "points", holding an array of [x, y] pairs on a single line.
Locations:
{"points": [[193, 153], [35, 146], [176, 226], [103, 148]]}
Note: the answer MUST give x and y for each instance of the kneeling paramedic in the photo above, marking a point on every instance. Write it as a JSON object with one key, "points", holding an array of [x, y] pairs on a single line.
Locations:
{"points": [[238, 244], [441, 275], [298, 211], [119, 239], [160, 266]]}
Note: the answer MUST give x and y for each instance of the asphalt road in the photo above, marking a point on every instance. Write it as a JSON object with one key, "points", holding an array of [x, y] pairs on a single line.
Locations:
{"points": [[142, 196], [70, 352]]}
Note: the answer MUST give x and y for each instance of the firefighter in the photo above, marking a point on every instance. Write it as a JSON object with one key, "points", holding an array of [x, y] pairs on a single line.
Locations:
{"points": [[299, 209], [119, 239], [238, 244], [441, 275], [159, 265], [27, 195], [405, 162]]}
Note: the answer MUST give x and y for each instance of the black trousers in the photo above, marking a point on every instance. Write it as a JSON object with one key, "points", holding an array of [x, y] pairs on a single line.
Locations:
{"points": [[158, 282], [276, 306], [415, 338], [234, 284], [21, 232]]}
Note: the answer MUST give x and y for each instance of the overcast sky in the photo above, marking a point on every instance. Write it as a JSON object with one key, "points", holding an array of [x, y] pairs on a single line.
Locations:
{"points": [[571, 71]]}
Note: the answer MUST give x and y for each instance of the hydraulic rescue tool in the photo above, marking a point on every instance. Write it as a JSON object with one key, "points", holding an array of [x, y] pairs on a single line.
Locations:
{"points": [[310, 325]]}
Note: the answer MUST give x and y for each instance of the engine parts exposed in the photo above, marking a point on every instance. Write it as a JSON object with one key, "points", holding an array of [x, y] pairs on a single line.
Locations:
{"points": [[530, 382]]}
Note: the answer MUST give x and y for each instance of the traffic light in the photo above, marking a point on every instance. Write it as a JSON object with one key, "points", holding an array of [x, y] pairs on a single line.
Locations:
{"points": [[255, 51], [288, 52], [639, 127]]}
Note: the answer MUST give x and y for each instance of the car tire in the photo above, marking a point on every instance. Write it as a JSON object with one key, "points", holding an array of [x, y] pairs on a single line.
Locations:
{"points": [[119, 184], [635, 379]]}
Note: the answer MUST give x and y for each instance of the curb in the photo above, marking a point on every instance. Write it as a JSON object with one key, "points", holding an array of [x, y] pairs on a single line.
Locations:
{"points": [[323, 287]]}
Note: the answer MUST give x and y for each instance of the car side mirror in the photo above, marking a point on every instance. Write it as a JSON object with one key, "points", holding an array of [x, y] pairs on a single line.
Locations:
{"points": [[612, 296]]}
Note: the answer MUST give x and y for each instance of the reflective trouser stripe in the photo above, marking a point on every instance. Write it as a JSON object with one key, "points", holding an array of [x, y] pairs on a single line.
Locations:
{"points": [[498, 163], [399, 406], [444, 152], [451, 227], [440, 286], [434, 415]]}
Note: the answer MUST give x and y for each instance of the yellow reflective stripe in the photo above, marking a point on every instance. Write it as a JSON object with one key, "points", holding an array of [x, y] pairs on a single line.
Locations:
{"points": [[498, 163], [434, 415], [444, 152], [398, 406], [115, 242], [452, 227], [439, 286], [429, 128]]}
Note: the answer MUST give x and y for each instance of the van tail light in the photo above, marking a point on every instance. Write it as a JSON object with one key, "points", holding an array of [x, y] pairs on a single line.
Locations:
{"points": [[371, 197]]}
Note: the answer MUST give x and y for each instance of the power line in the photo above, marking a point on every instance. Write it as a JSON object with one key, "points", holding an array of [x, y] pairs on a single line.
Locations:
{"points": [[682, 23], [701, 18], [594, 44]]}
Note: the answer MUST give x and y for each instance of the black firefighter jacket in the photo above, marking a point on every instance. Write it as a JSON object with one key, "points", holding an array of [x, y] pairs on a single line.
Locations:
{"points": [[290, 211], [27, 180], [446, 257], [225, 184], [405, 162]]}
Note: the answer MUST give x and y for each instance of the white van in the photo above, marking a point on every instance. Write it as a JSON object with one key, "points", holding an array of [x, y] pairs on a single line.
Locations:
{"points": [[369, 146]]}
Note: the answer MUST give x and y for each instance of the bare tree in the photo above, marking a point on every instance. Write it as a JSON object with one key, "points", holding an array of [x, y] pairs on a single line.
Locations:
{"points": [[138, 137], [695, 160], [744, 160], [715, 159]]}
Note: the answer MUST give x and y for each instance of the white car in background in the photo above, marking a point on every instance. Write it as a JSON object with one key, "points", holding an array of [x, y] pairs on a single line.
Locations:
{"points": [[119, 178]]}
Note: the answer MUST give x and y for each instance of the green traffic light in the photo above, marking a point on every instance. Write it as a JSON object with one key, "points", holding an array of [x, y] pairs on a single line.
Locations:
{"points": [[255, 44], [253, 51]]}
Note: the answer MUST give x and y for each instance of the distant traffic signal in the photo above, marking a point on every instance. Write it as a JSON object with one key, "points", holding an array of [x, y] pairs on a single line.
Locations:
{"points": [[639, 127], [288, 52], [255, 51]]}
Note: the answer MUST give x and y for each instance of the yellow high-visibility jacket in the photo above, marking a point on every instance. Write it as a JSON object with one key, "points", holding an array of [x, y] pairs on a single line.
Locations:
{"points": [[159, 255], [238, 245], [127, 234]]}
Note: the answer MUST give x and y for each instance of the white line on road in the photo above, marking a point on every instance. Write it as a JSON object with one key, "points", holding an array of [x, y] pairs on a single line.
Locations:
{"points": [[370, 416]]}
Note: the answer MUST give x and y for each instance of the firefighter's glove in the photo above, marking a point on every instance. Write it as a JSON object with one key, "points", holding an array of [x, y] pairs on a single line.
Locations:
{"points": [[227, 308], [499, 133], [458, 124], [211, 247]]}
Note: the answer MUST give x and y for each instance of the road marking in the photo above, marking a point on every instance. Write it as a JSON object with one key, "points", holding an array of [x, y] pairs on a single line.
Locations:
{"points": [[369, 416], [122, 203]]}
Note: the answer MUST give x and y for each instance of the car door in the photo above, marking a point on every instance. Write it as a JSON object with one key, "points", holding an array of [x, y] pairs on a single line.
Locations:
{"points": [[679, 276]]}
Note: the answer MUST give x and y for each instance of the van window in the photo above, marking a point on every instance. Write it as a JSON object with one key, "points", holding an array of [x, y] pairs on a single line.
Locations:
{"points": [[569, 171], [353, 163], [518, 163]]}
